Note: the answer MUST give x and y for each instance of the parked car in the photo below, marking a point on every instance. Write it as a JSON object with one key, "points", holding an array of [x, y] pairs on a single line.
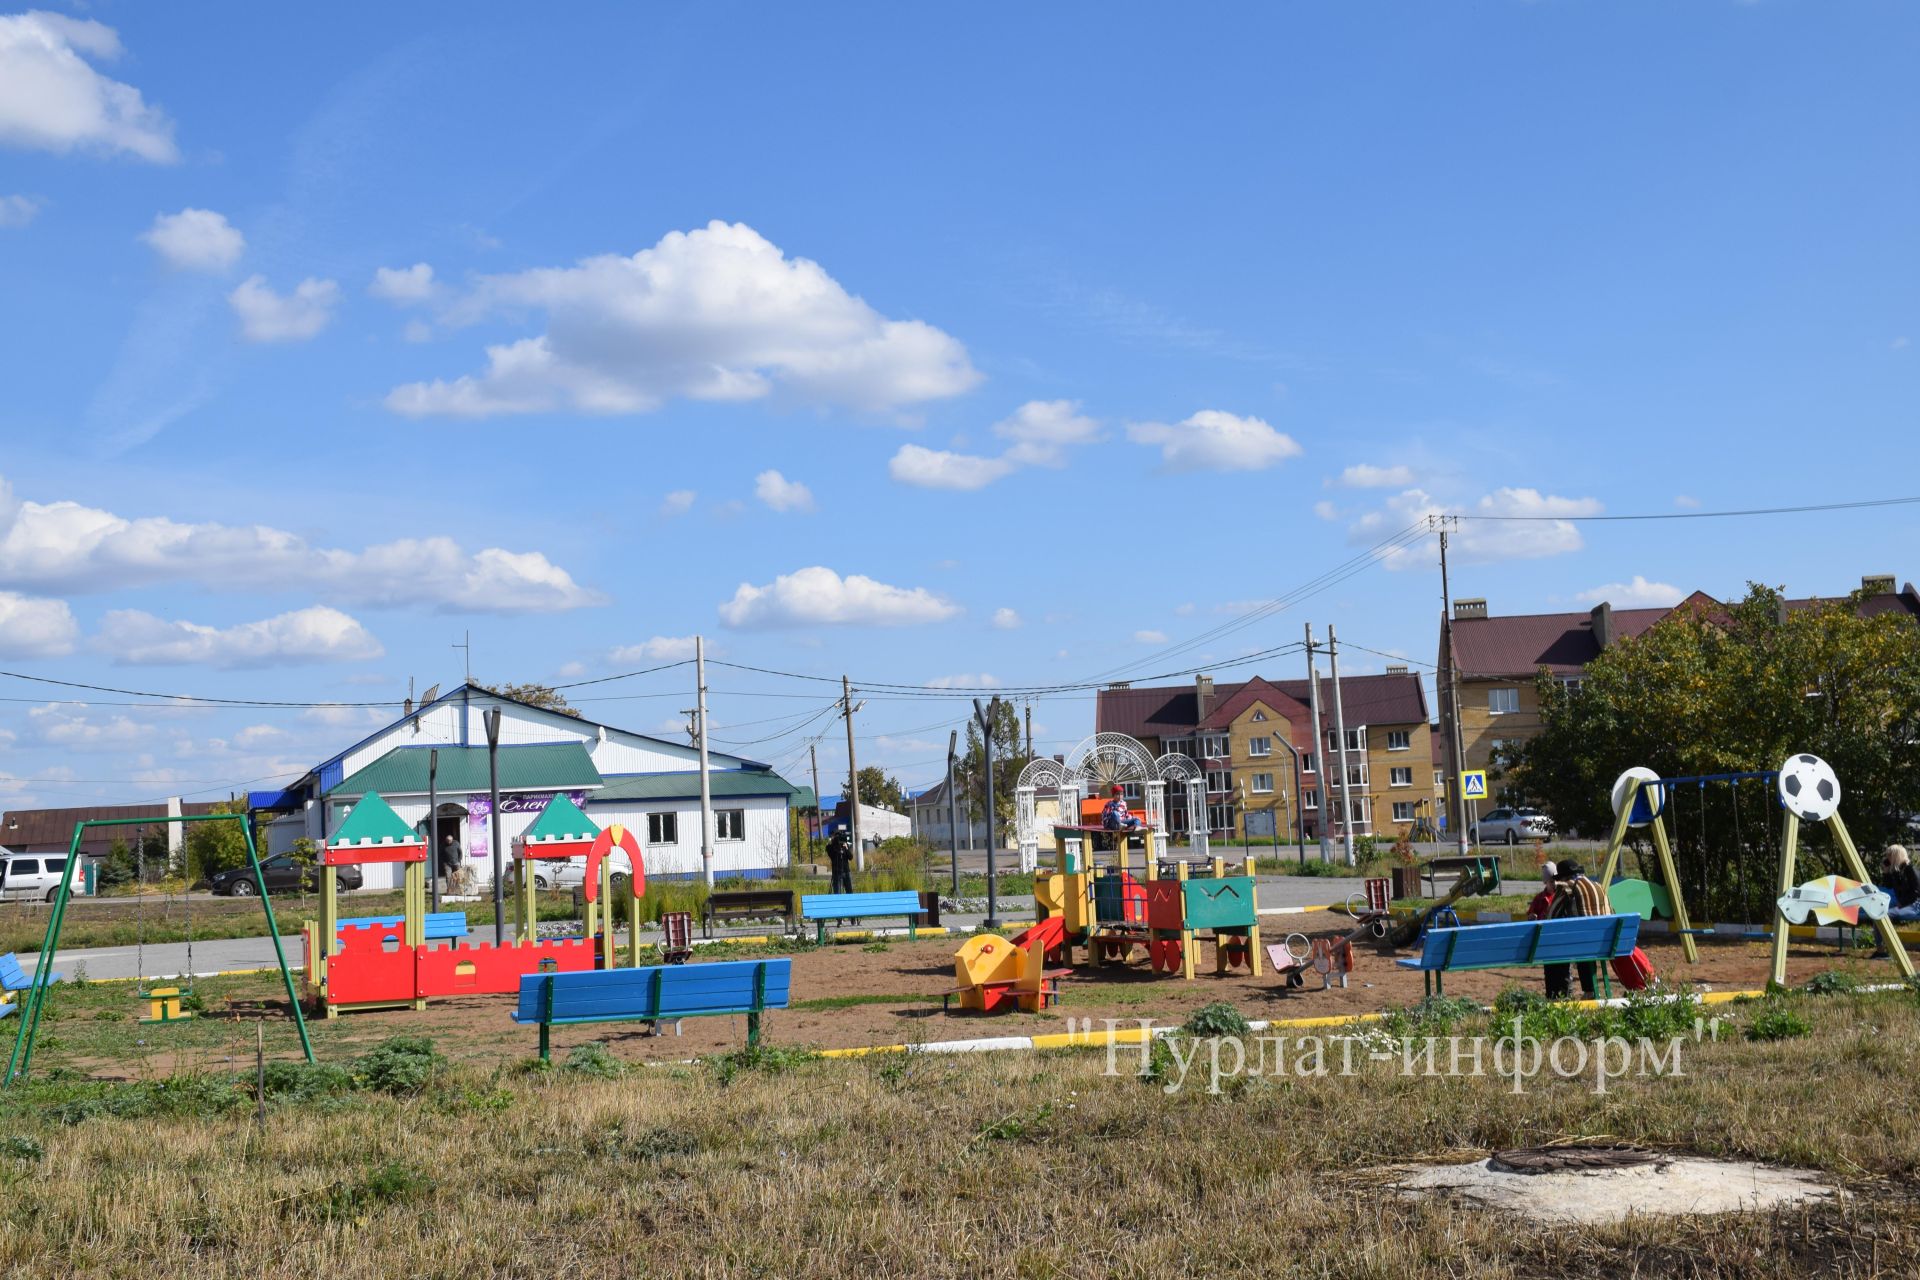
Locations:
{"points": [[1511, 826], [573, 871], [283, 876], [33, 876]]}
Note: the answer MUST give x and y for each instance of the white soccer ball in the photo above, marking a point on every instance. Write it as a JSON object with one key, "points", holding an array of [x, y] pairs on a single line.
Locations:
{"points": [[1809, 788], [1646, 805]]}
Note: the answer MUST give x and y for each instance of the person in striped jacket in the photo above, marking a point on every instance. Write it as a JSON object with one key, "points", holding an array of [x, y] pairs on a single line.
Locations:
{"points": [[1574, 894]]}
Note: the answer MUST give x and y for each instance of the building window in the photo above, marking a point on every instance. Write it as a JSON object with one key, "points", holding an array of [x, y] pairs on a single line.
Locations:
{"points": [[1400, 777], [1439, 779], [729, 824], [1221, 816], [663, 828], [1219, 781], [1308, 762], [1259, 746], [1356, 739], [1399, 740], [1259, 717], [1310, 798], [1403, 811], [1572, 684], [1361, 809], [1213, 746], [1263, 784], [1503, 702]]}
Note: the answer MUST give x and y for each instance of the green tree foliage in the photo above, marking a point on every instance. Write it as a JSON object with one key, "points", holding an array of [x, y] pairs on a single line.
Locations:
{"points": [[1009, 759], [1736, 688], [878, 787], [543, 696], [213, 847]]}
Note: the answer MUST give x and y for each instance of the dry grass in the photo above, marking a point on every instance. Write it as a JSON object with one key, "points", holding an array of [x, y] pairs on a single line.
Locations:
{"points": [[1006, 1164]]}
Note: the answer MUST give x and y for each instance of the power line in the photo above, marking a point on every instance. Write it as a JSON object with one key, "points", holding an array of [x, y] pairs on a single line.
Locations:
{"points": [[1701, 515]]}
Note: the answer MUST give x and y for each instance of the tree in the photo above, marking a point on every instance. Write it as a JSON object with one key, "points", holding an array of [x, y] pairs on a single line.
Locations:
{"points": [[213, 847], [1008, 761], [1736, 688], [878, 788], [544, 696]]}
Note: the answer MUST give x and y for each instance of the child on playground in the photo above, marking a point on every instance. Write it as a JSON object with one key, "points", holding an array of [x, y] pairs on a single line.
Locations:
{"points": [[1542, 902], [1116, 816], [1574, 895]]}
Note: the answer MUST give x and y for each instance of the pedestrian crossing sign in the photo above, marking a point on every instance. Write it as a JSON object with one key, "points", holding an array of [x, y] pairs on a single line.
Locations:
{"points": [[1473, 784]]}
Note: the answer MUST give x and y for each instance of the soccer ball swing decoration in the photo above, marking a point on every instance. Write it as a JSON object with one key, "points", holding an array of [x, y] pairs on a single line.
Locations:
{"points": [[1810, 792], [1638, 797]]}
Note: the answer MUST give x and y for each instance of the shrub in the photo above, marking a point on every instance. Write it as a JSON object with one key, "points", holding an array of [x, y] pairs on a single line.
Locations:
{"points": [[1832, 984], [726, 1066], [595, 1060], [304, 1081], [390, 1183], [1216, 1019], [1778, 1024], [400, 1064], [20, 1147]]}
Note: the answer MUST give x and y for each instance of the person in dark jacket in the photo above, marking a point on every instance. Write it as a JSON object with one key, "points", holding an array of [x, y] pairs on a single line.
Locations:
{"points": [[840, 857], [1574, 895], [1901, 881]]}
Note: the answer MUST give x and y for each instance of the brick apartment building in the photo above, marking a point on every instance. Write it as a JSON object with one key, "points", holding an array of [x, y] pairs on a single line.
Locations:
{"points": [[1246, 735]]}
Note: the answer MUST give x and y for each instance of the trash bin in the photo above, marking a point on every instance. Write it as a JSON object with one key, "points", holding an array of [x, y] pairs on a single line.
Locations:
{"points": [[89, 876], [1406, 882], [929, 909]]}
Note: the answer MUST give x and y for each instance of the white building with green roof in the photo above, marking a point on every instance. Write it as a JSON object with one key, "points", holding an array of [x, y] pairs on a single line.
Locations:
{"points": [[438, 753]]}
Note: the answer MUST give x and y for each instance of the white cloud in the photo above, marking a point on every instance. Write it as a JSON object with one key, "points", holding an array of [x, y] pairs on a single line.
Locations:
{"points": [[1042, 430], [1184, 609], [571, 670], [35, 628], [315, 634], [1214, 441], [1150, 637], [1006, 619], [403, 286], [266, 316], [781, 493], [52, 100], [65, 725], [1686, 502], [1638, 594], [67, 547], [1367, 476], [1536, 525], [677, 503], [417, 331], [819, 596], [718, 313], [195, 240], [1899, 343], [1326, 510], [17, 211], [939, 469], [981, 681], [656, 649]]}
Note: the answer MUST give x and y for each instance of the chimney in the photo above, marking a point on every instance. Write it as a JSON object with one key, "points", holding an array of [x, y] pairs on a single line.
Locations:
{"points": [[1469, 608], [1877, 584], [1396, 670], [1120, 684], [1203, 695], [1602, 620]]}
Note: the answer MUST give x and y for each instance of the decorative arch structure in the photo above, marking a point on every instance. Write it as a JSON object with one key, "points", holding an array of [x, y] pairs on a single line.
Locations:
{"points": [[1037, 776]]}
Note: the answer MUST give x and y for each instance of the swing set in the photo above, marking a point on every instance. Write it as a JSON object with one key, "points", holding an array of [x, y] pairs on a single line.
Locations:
{"points": [[163, 997]]}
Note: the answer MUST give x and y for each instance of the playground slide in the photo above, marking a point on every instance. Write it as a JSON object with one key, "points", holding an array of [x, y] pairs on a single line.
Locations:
{"points": [[1041, 937]]}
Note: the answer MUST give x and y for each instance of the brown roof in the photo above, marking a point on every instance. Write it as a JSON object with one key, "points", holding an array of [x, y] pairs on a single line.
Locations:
{"points": [[1518, 645], [20, 828], [1174, 711]]}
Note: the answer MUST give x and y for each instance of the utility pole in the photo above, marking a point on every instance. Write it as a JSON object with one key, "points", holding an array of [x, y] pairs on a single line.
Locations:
{"points": [[433, 823], [1340, 727], [493, 787], [1029, 731], [1450, 703], [853, 776], [953, 813], [985, 716], [813, 757], [706, 783], [1319, 750]]}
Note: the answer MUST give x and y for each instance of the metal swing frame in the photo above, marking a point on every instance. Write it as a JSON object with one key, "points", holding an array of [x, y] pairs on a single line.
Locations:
{"points": [[21, 1059]]}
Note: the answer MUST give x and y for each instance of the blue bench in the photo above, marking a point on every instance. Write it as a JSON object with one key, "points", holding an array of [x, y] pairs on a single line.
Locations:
{"points": [[822, 907], [440, 924], [14, 980], [1524, 944], [658, 993]]}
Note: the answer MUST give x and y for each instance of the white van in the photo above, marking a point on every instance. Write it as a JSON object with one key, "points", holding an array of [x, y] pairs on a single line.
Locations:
{"points": [[34, 876]]}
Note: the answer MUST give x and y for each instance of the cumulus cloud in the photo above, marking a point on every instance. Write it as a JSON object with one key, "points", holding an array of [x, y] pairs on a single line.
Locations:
{"points": [[718, 313], [781, 493], [1528, 525], [17, 211], [403, 286], [656, 649], [1214, 441], [1043, 430], [1638, 594], [52, 99], [35, 628], [1326, 510], [1150, 637], [677, 503], [67, 547], [317, 634], [266, 316], [926, 468], [981, 681], [1686, 502], [195, 240], [76, 728], [817, 596], [1006, 619], [1367, 476]]}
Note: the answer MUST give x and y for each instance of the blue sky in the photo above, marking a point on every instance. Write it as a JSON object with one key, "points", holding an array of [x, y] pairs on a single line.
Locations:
{"points": [[936, 347]]}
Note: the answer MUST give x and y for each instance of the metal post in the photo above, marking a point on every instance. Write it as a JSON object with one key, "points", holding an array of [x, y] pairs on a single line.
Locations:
{"points": [[1319, 750], [853, 777], [985, 717], [492, 719], [953, 832], [706, 783], [813, 827], [1450, 704], [1340, 727], [433, 821]]}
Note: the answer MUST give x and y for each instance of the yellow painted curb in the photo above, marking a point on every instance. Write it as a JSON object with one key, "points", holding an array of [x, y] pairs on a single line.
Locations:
{"points": [[862, 935]]}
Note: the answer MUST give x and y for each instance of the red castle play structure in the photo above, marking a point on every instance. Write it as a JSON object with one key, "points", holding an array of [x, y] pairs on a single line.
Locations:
{"points": [[385, 963]]}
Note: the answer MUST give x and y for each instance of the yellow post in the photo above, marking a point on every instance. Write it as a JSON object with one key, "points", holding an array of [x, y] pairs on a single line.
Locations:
{"points": [[1619, 837], [606, 899], [1787, 853], [1889, 936], [633, 931], [1680, 919], [415, 880], [1253, 934], [330, 921]]}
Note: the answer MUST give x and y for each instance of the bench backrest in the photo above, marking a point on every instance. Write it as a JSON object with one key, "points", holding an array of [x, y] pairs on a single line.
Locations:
{"points": [[1530, 942], [832, 906], [662, 991], [440, 924], [12, 976], [724, 898]]}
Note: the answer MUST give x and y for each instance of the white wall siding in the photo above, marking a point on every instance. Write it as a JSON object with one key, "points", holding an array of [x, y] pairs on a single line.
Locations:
{"points": [[764, 849]]}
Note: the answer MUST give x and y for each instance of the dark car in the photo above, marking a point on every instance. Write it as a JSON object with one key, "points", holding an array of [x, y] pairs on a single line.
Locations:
{"points": [[282, 875]]}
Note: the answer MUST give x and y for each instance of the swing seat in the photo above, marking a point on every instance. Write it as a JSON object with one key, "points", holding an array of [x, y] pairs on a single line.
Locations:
{"points": [[163, 1004]]}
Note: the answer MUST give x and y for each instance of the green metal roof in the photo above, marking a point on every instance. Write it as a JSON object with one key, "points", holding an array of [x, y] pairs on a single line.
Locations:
{"points": [[536, 766], [561, 820], [803, 798], [372, 821], [731, 784]]}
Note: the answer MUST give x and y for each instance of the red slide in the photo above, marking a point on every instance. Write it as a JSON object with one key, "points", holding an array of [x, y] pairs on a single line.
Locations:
{"points": [[1048, 935]]}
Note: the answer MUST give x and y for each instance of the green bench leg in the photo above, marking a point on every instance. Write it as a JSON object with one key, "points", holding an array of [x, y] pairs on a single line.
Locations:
{"points": [[753, 1031]]}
